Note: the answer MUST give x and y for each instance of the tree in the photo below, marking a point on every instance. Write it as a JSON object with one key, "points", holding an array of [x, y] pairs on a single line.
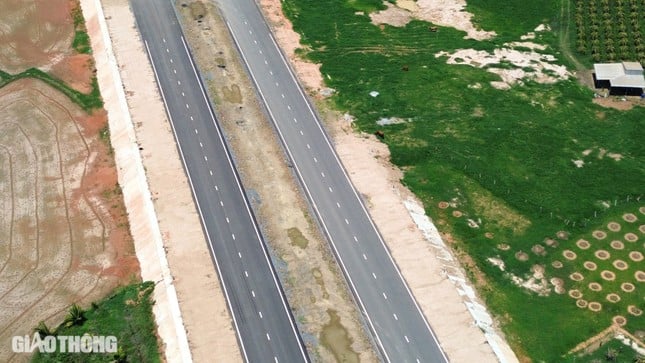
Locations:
{"points": [[43, 330], [75, 316]]}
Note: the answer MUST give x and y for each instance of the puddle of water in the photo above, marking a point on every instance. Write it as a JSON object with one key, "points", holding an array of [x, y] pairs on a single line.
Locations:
{"points": [[334, 337], [297, 239]]}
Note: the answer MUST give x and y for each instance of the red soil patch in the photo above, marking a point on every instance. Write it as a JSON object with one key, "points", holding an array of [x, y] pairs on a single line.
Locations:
{"points": [[76, 70]]}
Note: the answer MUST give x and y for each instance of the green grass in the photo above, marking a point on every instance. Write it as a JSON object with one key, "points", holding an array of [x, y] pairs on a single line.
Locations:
{"points": [[613, 348], [127, 314], [88, 101], [475, 146], [81, 41]]}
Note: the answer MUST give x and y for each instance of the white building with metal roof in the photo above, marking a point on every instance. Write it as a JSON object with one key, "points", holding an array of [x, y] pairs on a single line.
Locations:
{"points": [[621, 75]]}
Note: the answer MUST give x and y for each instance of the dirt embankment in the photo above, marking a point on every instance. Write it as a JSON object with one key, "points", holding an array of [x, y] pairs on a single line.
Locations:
{"points": [[63, 227]]}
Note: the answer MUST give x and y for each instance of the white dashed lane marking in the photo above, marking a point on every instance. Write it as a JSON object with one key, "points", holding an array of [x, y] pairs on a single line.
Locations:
{"points": [[406, 338], [229, 221], [240, 254], [364, 257], [260, 313], [355, 239], [174, 71], [395, 317], [346, 221], [211, 172], [338, 204], [384, 296], [246, 273], [252, 293], [233, 235], [374, 275]]}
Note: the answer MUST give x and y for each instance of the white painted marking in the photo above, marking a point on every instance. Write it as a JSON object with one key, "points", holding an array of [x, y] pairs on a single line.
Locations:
{"points": [[268, 336], [167, 51], [211, 172], [275, 359], [240, 254], [395, 317], [216, 188], [374, 275], [191, 118], [265, 62], [315, 160], [331, 190], [308, 147], [260, 51], [187, 106], [196, 132], [406, 338], [355, 239], [301, 133], [282, 95], [221, 203], [260, 313], [164, 39], [295, 120], [201, 145], [183, 94], [289, 106], [384, 296], [250, 32], [255, 41], [170, 60], [364, 257], [205, 158], [245, 22], [179, 83], [338, 204], [277, 84], [233, 235], [322, 174], [174, 71], [271, 72], [227, 220], [346, 221], [418, 361], [252, 293], [246, 273]]}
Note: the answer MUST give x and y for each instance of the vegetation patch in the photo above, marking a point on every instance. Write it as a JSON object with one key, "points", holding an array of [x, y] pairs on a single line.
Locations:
{"points": [[127, 315], [531, 167], [81, 41]]}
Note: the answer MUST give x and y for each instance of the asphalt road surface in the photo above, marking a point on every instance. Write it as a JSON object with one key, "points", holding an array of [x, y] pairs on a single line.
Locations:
{"points": [[400, 330], [265, 327]]}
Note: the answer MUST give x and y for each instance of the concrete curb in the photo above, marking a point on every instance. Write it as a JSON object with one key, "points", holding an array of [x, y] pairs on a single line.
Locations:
{"points": [[144, 227]]}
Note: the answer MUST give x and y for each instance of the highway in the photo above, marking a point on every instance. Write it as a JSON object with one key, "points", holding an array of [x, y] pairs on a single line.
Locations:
{"points": [[401, 332], [265, 327]]}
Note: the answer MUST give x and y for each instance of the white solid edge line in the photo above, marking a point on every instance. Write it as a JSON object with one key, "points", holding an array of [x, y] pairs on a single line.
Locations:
{"points": [[246, 203], [351, 282], [201, 217], [405, 284]]}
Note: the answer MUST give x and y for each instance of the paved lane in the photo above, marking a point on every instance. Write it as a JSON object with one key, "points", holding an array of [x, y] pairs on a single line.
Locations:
{"points": [[399, 328], [265, 327]]}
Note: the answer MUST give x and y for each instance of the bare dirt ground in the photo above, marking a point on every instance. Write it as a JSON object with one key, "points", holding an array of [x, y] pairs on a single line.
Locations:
{"points": [[63, 231], [326, 315]]}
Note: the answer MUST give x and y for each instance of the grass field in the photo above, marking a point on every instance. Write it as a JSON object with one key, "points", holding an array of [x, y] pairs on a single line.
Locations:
{"points": [[126, 314], [502, 162]]}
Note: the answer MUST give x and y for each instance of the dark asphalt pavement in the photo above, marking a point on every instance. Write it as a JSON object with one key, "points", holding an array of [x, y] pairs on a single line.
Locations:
{"points": [[265, 326]]}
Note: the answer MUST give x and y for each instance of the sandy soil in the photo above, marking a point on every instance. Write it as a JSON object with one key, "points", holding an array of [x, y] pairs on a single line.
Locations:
{"points": [[203, 308], [441, 12], [367, 161], [62, 214], [316, 291]]}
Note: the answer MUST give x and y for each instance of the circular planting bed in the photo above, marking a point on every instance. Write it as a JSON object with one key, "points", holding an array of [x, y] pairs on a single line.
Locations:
{"points": [[576, 294], [562, 235], [641, 228], [594, 286], [595, 306], [642, 210], [620, 265], [640, 276], [591, 266], [602, 255], [627, 287], [613, 226], [619, 320], [583, 244], [576, 276], [457, 214], [551, 242], [632, 309], [599, 235], [629, 217], [608, 275], [503, 247], [581, 303], [636, 256], [631, 237], [617, 245], [443, 205], [489, 235], [556, 264], [521, 256], [538, 250], [569, 255], [613, 298]]}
